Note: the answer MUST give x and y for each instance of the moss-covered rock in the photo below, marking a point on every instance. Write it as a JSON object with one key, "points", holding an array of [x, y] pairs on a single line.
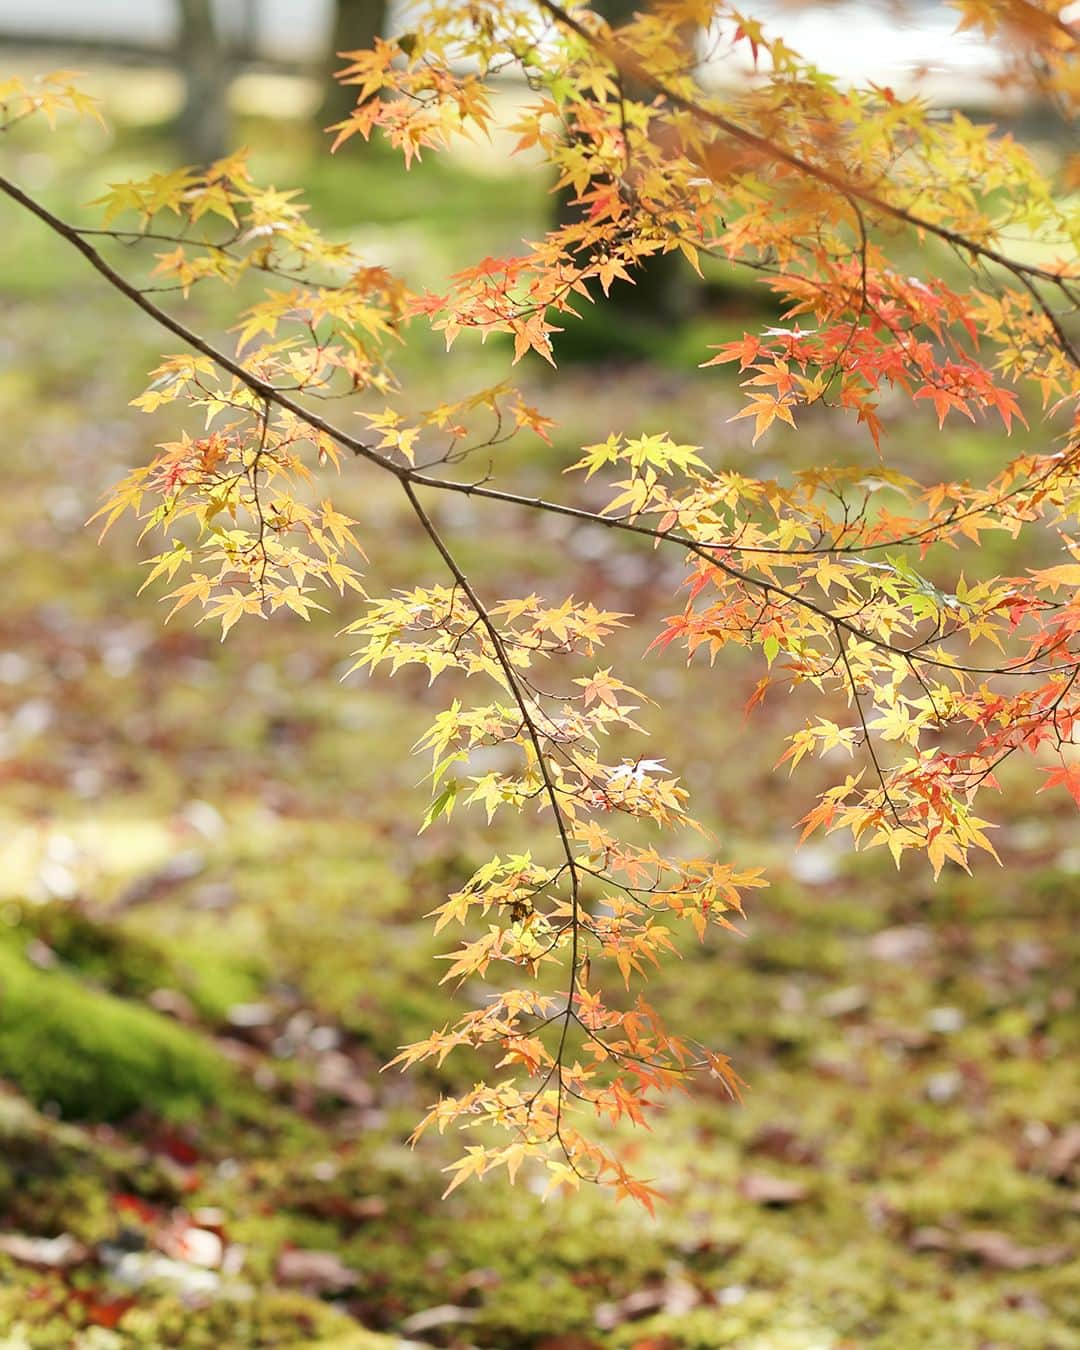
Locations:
{"points": [[93, 1056]]}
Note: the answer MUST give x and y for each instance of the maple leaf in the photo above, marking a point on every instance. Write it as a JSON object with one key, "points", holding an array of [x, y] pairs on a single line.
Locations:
{"points": [[764, 409], [231, 608], [1064, 574], [1066, 776], [474, 1164]]}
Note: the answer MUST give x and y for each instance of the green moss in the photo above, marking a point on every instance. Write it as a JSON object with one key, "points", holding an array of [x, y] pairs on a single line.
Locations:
{"points": [[94, 1056], [975, 1181], [265, 1318], [259, 1320], [123, 960], [57, 1178]]}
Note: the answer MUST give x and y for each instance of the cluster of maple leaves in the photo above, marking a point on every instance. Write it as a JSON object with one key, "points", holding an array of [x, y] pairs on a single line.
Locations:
{"points": [[847, 203]]}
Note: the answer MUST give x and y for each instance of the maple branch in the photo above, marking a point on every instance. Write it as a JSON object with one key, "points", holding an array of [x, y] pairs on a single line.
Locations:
{"points": [[868, 740], [410, 476], [536, 738], [627, 64], [260, 514], [187, 335], [129, 238], [890, 628], [703, 550]]}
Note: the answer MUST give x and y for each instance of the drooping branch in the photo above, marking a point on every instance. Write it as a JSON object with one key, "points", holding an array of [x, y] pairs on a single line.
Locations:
{"points": [[536, 737]]}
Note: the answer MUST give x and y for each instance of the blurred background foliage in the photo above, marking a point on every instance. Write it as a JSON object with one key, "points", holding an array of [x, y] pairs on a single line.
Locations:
{"points": [[212, 894]]}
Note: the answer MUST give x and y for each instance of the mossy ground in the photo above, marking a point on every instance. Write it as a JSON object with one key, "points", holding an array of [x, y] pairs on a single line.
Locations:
{"points": [[212, 932]]}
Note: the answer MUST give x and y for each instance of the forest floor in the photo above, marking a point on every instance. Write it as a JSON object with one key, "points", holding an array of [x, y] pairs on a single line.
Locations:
{"points": [[212, 931]]}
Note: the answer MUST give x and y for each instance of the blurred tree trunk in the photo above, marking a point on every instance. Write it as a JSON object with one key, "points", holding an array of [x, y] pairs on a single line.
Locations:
{"points": [[357, 23], [203, 123], [665, 292], [247, 30]]}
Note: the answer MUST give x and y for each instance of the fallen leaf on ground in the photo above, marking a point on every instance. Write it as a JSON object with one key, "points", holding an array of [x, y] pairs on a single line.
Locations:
{"points": [[445, 1315], [764, 1189], [931, 1240], [901, 944], [318, 1271], [674, 1298], [1000, 1251], [782, 1143], [988, 1246], [1063, 1154], [100, 1309], [56, 1253]]}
